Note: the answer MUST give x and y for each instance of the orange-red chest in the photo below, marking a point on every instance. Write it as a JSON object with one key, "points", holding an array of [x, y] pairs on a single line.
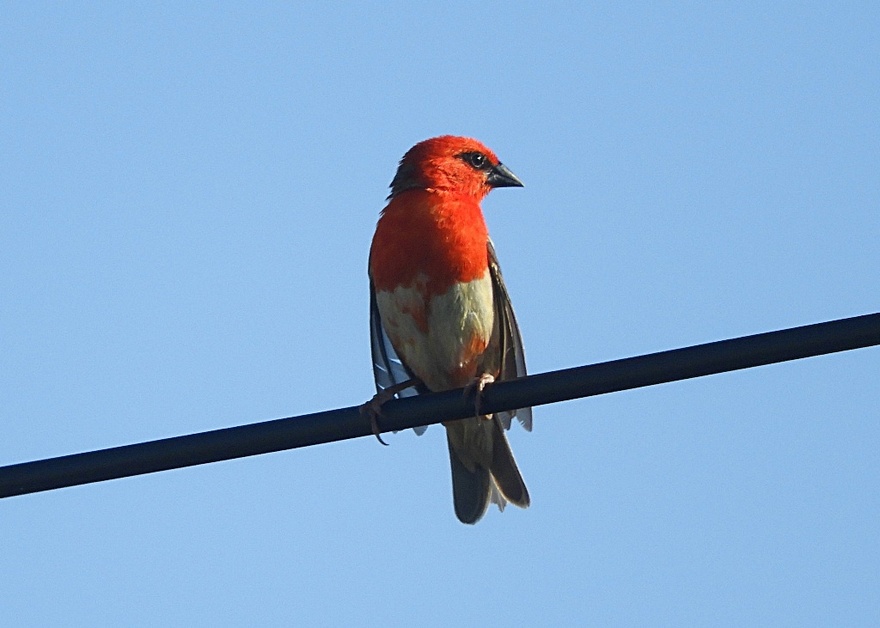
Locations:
{"points": [[429, 238]]}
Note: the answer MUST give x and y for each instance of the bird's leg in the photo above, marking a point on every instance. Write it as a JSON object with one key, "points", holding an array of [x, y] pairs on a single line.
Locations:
{"points": [[373, 408], [477, 386]]}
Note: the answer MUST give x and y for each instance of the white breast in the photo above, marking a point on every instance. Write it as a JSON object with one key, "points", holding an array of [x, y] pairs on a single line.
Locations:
{"points": [[438, 339]]}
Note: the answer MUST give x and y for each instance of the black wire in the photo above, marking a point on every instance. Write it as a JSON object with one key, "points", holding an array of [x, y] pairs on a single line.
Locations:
{"points": [[343, 423]]}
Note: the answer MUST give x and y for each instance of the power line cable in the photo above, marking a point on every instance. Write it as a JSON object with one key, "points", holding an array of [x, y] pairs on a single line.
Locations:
{"points": [[343, 423]]}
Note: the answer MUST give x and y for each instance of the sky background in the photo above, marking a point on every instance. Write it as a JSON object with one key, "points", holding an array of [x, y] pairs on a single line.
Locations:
{"points": [[188, 193]]}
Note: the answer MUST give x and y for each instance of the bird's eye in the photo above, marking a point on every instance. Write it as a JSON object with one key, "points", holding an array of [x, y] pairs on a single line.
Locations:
{"points": [[477, 160]]}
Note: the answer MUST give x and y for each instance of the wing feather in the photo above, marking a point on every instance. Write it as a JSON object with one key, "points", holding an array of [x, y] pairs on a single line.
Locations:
{"points": [[510, 350]]}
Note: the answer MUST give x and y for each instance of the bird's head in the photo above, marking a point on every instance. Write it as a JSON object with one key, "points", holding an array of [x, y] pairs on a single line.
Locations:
{"points": [[459, 165]]}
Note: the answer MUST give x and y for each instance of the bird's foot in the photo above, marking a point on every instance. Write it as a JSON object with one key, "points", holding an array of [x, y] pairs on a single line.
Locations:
{"points": [[476, 387], [373, 408]]}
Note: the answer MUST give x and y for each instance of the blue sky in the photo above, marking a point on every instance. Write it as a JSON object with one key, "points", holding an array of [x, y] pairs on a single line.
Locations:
{"points": [[188, 194]]}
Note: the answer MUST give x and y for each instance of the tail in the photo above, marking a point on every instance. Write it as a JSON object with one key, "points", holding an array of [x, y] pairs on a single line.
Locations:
{"points": [[483, 468]]}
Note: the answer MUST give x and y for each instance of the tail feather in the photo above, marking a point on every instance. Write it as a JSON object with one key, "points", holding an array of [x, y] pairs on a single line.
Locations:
{"points": [[483, 468], [470, 489], [504, 470]]}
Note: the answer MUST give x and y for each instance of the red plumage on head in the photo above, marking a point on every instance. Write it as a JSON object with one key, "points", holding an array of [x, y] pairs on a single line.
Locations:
{"points": [[436, 164]]}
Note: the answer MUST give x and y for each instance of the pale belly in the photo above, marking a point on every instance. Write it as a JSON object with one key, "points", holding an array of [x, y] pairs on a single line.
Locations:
{"points": [[441, 341]]}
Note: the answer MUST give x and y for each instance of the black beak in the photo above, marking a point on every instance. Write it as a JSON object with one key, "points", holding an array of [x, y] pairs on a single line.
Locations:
{"points": [[501, 177]]}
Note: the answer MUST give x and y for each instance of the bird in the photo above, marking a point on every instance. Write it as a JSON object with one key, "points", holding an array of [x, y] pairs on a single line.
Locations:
{"points": [[440, 314]]}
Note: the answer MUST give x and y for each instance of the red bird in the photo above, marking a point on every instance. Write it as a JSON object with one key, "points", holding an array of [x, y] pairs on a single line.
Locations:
{"points": [[440, 316]]}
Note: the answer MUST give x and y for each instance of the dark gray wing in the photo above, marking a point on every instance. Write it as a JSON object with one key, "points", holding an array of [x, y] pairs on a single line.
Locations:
{"points": [[510, 349], [388, 369]]}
